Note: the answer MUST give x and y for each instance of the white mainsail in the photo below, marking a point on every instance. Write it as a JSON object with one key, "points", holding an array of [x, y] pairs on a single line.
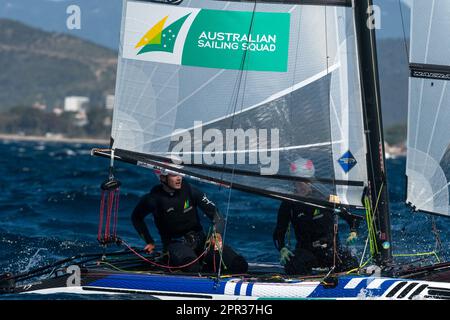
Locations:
{"points": [[308, 98], [428, 156]]}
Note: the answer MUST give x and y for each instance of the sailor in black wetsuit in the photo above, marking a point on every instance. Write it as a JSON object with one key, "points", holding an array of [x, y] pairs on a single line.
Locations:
{"points": [[174, 205], [314, 231]]}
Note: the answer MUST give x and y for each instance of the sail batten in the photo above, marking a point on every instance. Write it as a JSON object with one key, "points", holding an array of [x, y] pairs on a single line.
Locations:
{"points": [[430, 71]]}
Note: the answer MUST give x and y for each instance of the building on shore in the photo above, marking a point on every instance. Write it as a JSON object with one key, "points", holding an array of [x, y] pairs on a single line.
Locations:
{"points": [[76, 104], [109, 102]]}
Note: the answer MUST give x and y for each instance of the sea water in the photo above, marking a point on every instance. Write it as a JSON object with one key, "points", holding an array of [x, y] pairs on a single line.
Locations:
{"points": [[50, 200]]}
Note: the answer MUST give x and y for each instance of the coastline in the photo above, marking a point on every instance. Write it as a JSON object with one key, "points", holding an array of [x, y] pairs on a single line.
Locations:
{"points": [[57, 139]]}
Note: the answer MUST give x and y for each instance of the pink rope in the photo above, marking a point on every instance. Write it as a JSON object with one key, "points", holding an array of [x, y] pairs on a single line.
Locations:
{"points": [[100, 224], [108, 215], [116, 212], [110, 202], [162, 266]]}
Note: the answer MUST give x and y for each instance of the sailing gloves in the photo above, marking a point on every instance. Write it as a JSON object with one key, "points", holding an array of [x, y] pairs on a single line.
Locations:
{"points": [[149, 248], [285, 255]]}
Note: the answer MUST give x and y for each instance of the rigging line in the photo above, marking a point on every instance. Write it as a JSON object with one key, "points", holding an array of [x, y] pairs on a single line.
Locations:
{"points": [[423, 80], [273, 97], [404, 31], [371, 216], [378, 198], [327, 58], [232, 107], [244, 56], [234, 100], [364, 252], [370, 226], [165, 266], [362, 265], [235, 87], [432, 253]]}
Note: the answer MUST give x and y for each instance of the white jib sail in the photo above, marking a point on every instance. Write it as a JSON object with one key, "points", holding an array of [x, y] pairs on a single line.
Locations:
{"points": [[428, 156]]}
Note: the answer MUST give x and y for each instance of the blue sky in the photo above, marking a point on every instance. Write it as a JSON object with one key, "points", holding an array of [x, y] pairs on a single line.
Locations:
{"points": [[101, 18]]}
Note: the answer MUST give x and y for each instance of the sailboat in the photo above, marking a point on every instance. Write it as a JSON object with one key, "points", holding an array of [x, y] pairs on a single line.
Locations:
{"points": [[299, 79]]}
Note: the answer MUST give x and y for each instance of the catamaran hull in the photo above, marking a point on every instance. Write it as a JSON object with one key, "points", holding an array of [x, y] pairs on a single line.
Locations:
{"points": [[170, 287]]}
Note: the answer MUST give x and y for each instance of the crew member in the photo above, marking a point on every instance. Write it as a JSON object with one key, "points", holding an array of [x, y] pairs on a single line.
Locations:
{"points": [[314, 231], [174, 205]]}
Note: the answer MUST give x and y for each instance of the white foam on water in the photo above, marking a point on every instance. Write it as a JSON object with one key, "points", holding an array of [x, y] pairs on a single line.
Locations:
{"points": [[34, 260]]}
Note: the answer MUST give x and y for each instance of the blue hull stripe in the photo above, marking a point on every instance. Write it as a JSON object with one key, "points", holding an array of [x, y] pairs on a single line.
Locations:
{"points": [[185, 284], [341, 292], [237, 289], [249, 289], [161, 283]]}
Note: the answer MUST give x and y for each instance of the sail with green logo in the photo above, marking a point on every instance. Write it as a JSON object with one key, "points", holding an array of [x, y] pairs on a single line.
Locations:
{"points": [[241, 93]]}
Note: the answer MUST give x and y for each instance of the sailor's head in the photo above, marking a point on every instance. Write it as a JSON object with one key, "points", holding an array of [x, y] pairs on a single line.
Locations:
{"points": [[302, 168], [171, 179]]}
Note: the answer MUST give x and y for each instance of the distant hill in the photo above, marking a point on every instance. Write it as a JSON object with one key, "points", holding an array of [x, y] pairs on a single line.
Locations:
{"points": [[39, 66]]}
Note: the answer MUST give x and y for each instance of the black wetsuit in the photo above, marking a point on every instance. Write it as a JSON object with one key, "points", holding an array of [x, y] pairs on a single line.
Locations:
{"points": [[314, 232], [176, 216]]}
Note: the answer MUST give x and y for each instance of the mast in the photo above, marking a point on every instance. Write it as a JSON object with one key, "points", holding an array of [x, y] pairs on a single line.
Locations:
{"points": [[378, 190]]}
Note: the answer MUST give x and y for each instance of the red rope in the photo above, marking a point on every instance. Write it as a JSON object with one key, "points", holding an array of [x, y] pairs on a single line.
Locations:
{"points": [[116, 212], [162, 266], [108, 215], [100, 224], [107, 230]]}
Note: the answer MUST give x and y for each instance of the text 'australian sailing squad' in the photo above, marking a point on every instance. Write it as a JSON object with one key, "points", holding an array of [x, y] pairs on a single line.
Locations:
{"points": [[236, 41]]}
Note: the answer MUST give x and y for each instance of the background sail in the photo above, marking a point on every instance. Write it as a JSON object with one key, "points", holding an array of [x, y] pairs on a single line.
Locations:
{"points": [[428, 163], [314, 107]]}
